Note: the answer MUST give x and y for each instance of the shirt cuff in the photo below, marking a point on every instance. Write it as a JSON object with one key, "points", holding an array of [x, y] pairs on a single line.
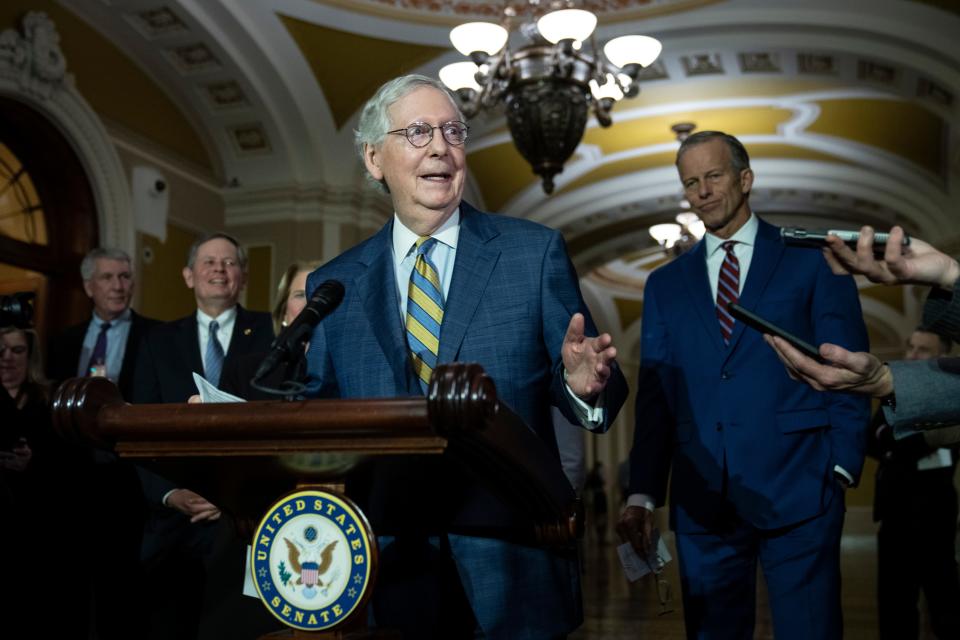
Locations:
{"points": [[843, 472], [641, 500], [163, 500], [589, 416]]}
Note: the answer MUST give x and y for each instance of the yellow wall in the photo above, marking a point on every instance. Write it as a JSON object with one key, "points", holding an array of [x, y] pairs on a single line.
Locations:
{"points": [[163, 293]]}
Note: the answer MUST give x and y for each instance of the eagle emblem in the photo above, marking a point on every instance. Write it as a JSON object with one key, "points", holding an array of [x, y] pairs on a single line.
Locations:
{"points": [[310, 559]]}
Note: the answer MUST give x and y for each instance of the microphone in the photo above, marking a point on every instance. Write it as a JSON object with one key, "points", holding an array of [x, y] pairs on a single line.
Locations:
{"points": [[291, 340]]}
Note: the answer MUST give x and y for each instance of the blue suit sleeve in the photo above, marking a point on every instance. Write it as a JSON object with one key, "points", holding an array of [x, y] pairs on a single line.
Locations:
{"points": [[650, 455], [838, 319]]}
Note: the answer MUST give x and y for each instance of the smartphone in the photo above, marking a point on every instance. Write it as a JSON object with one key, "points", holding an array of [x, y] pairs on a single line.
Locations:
{"points": [[818, 238], [764, 326]]}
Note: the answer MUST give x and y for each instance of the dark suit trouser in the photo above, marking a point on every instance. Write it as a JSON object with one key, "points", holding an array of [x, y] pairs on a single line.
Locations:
{"points": [[801, 566], [419, 592], [915, 550]]}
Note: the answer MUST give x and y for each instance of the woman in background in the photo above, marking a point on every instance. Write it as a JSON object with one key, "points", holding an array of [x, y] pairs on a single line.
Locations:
{"points": [[42, 484]]}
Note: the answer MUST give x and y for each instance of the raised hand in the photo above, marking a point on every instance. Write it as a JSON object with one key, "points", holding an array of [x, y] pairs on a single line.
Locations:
{"points": [[586, 360]]}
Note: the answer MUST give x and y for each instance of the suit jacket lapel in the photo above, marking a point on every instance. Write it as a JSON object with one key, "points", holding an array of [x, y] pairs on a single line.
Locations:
{"points": [[125, 381], [188, 342], [701, 296], [767, 251], [471, 271], [240, 339], [377, 290]]}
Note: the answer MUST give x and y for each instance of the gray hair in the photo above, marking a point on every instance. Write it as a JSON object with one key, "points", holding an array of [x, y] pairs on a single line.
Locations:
{"points": [[739, 157], [207, 237], [375, 121], [89, 264]]}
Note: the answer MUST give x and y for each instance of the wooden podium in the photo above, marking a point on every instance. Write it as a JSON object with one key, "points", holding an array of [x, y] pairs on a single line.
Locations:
{"points": [[246, 456]]}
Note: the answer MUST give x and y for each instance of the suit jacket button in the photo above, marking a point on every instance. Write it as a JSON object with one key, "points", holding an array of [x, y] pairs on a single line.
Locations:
{"points": [[724, 376]]}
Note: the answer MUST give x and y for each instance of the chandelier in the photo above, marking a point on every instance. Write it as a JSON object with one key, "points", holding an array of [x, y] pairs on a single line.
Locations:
{"points": [[549, 84], [678, 237]]}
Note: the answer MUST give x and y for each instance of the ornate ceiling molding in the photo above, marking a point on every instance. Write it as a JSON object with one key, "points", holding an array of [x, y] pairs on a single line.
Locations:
{"points": [[33, 70]]}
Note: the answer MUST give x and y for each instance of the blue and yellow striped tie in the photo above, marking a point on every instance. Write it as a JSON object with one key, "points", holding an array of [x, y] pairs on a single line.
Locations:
{"points": [[424, 313]]}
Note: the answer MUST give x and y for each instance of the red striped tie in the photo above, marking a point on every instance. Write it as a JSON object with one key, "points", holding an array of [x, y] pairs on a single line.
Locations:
{"points": [[728, 289]]}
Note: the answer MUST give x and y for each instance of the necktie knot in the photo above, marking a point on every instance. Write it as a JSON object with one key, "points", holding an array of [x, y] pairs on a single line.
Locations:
{"points": [[728, 246], [104, 327], [424, 244], [214, 327]]}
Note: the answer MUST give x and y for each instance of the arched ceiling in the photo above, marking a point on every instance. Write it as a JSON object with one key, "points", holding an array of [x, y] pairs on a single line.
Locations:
{"points": [[849, 107]]}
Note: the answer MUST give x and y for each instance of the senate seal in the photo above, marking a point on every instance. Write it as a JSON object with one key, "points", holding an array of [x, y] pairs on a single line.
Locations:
{"points": [[312, 559]]}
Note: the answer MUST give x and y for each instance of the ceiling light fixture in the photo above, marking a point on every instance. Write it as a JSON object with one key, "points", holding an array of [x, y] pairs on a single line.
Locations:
{"points": [[549, 84]]}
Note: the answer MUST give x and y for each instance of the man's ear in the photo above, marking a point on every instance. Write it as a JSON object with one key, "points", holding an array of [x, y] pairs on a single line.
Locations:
{"points": [[188, 277], [371, 158], [746, 180], [88, 288]]}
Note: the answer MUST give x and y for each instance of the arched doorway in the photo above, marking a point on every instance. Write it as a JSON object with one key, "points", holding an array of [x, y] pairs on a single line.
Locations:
{"points": [[50, 214]]}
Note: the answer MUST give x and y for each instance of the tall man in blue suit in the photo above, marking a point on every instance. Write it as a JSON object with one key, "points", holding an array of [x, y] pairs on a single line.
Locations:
{"points": [[760, 461], [443, 282]]}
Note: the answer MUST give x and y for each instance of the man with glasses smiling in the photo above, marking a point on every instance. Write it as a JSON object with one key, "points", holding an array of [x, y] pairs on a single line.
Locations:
{"points": [[444, 282], [182, 526]]}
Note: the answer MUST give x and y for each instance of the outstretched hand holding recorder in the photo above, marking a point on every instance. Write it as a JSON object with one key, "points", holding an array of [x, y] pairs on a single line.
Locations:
{"points": [[898, 259], [819, 238]]}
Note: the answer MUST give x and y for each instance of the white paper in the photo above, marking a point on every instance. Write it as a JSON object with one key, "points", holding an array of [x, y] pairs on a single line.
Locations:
{"points": [[209, 393], [249, 589], [939, 459], [634, 567]]}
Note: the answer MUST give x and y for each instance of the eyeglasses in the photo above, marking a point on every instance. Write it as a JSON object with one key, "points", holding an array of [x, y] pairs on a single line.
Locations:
{"points": [[419, 134], [17, 350]]}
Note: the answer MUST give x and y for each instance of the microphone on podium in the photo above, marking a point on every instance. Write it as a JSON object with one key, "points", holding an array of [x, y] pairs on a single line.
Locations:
{"points": [[288, 346]]}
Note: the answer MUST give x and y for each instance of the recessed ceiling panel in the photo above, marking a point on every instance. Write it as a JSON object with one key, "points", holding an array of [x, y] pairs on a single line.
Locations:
{"points": [[349, 67]]}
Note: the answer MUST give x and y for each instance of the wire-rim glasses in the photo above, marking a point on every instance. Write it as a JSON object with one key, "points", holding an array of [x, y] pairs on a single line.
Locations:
{"points": [[419, 134]]}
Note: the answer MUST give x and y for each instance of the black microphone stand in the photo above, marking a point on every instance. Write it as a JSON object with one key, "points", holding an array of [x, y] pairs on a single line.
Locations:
{"points": [[290, 389]]}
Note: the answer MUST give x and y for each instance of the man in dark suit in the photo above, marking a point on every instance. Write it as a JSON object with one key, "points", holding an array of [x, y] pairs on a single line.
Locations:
{"points": [[443, 282], [916, 506], [108, 345], [80, 350], [760, 462], [219, 332], [182, 539]]}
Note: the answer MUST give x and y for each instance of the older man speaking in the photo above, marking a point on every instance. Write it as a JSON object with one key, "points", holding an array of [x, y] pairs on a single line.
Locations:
{"points": [[444, 282]]}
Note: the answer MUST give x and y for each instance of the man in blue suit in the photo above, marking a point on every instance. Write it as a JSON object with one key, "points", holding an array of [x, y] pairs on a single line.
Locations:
{"points": [[443, 282], [760, 461]]}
